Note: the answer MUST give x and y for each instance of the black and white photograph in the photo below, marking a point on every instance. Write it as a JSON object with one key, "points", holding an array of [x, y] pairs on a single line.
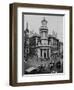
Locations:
{"points": [[42, 43]]}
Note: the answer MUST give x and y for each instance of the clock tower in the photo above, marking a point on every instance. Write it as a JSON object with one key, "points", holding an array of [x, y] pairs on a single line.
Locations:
{"points": [[44, 32]]}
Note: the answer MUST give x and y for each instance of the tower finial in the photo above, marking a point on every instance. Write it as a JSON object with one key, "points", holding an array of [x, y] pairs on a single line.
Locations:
{"points": [[54, 33], [44, 18]]}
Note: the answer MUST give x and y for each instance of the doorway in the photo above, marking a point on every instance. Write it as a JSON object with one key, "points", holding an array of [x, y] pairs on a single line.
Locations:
{"points": [[44, 54]]}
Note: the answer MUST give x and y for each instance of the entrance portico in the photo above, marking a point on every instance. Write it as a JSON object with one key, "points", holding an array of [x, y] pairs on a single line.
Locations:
{"points": [[44, 52]]}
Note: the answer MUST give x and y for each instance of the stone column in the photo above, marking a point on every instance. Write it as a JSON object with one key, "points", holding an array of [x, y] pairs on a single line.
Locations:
{"points": [[46, 53], [42, 53], [49, 52], [38, 52]]}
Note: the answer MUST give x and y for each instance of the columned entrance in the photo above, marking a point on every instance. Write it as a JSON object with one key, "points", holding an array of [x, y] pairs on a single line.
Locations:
{"points": [[44, 53]]}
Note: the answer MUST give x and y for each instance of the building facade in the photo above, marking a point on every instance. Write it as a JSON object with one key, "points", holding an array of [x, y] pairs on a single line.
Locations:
{"points": [[44, 44]]}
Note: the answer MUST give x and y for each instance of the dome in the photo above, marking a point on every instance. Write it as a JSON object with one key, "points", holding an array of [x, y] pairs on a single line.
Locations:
{"points": [[44, 25], [44, 21]]}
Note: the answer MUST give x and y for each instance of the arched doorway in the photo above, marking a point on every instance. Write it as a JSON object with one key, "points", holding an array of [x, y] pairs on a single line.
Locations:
{"points": [[44, 54]]}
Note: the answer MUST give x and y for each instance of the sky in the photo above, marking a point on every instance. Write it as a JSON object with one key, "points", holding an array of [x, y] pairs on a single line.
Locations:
{"points": [[55, 23]]}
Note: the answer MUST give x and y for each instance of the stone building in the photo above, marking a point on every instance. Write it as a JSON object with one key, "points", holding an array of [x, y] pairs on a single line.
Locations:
{"points": [[46, 45]]}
